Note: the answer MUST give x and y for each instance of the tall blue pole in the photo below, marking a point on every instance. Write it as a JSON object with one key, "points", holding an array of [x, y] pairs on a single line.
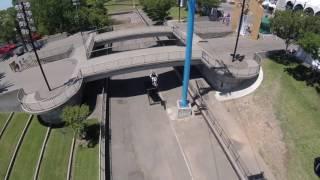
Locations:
{"points": [[187, 62]]}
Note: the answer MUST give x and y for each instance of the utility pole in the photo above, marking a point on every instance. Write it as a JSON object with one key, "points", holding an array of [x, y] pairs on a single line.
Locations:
{"points": [[239, 29], [25, 25], [180, 6]]}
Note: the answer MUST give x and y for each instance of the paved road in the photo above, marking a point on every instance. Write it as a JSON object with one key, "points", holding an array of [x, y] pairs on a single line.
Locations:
{"points": [[146, 144]]}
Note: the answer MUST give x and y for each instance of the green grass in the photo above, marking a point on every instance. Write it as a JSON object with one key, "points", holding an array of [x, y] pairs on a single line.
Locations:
{"points": [[86, 164], [120, 6], [298, 109], [54, 164], [174, 13], [3, 119], [9, 140], [28, 155]]}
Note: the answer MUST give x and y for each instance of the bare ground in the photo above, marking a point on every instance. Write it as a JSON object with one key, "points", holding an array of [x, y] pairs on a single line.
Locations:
{"points": [[257, 117]]}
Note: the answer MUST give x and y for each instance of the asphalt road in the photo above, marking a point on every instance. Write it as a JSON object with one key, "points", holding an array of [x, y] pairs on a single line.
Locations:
{"points": [[147, 144]]}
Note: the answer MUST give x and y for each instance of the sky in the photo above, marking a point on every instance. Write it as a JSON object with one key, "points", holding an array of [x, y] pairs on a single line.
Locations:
{"points": [[4, 4]]}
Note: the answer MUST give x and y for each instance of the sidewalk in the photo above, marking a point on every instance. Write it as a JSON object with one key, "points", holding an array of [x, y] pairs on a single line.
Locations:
{"points": [[234, 131]]}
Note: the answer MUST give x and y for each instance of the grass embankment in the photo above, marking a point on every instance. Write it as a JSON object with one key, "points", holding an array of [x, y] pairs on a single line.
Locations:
{"points": [[28, 155], [3, 119], [174, 13], [297, 106], [86, 162], [114, 6], [54, 164], [10, 139]]}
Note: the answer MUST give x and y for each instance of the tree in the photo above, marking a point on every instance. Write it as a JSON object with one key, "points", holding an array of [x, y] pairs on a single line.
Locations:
{"points": [[310, 43], [287, 25], [311, 24], [157, 10], [55, 16], [7, 25], [74, 117], [209, 3], [204, 6]]}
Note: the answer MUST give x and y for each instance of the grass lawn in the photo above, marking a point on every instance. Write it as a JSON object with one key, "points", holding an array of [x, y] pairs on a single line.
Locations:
{"points": [[86, 163], [298, 109], [28, 155], [3, 119], [114, 6], [9, 140], [174, 13], [54, 164]]}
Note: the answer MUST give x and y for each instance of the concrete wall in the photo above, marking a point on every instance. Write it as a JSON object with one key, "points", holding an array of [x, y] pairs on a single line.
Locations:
{"points": [[54, 116], [9, 102], [224, 83]]}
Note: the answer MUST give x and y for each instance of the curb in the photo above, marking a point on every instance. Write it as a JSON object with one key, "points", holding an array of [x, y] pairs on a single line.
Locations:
{"points": [[71, 158], [6, 124], [44, 144], [17, 147]]}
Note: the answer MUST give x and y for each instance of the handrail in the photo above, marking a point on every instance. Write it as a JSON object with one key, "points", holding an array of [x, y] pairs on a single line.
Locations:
{"points": [[228, 144], [69, 90]]}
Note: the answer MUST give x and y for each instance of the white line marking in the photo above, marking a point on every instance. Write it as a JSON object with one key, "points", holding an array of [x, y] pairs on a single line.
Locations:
{"points": [[186, 160]]}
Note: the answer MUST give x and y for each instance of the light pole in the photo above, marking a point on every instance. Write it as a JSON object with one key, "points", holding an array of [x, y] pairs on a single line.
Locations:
{"points": [[76, 3], [26, 15], [239, 29]]}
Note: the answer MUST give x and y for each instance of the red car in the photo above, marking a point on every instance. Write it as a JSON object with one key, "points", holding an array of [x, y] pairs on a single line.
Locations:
{"points": [[36, 36], [7, 48]]}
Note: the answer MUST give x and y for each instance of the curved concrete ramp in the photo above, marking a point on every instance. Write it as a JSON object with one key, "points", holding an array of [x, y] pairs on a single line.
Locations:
{"points": [[132, 33], [137, 60]]}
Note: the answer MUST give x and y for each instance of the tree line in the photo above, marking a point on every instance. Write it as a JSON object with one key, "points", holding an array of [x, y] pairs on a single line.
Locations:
{"points": [[55, 16]]}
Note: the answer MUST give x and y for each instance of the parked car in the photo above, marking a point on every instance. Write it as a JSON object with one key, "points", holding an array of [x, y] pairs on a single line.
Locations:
{"points": [[19, 51]]}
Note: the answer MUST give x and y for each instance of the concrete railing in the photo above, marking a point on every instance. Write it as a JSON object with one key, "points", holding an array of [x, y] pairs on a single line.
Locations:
{"points": [[118, 64], [43, 147], [47, 56], [42, 105], [90, 44], [229, 68]]}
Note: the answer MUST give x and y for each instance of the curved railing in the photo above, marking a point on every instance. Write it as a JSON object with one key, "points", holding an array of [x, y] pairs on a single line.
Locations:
{"points": [[230, 69], [34, 105], [118, 64]]}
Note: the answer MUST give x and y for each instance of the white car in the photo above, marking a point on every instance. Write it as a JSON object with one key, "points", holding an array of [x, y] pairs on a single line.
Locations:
{"points": [[270, 4]]}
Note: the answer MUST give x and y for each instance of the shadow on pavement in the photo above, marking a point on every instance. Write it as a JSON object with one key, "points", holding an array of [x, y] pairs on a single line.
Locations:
{"points": [[91, 91], [136, 86], [5, 85]]}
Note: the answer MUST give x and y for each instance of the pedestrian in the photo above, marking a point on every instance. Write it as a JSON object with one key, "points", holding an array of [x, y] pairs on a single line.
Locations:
{"points": [[154, 79], [223, 17], [228, 19]]}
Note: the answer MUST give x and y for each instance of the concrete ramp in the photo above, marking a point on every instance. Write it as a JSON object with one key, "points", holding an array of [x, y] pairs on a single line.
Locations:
{"points": [[135, 60]]}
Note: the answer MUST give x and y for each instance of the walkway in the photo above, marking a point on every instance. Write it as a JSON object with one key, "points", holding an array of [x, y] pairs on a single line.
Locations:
{"points": [[132, 33]]}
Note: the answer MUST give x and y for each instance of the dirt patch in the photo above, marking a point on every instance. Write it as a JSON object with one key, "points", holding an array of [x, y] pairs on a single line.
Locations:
{"points": [[257, 117]]}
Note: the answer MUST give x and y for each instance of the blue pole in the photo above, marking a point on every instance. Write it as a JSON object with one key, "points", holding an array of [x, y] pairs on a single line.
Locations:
{"points": [[187, 62]]}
